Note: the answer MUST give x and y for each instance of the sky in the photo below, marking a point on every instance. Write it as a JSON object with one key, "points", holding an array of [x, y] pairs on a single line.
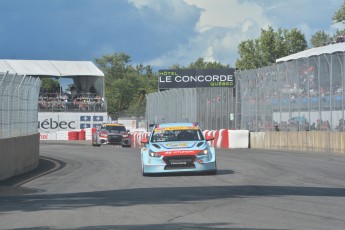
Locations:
{"points": [[159, 33]]}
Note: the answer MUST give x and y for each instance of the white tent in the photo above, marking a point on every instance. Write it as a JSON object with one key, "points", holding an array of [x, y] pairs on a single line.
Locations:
{"points": [[50, 68], [328, 49]]}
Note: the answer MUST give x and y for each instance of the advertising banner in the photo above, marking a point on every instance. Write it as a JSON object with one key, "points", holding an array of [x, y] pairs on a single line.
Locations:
{"points": [[55, 122], [196, 78]]}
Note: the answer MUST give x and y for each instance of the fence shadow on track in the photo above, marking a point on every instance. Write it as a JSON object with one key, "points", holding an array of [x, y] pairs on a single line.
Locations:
{"points": [[154, 196], [163, 226]]}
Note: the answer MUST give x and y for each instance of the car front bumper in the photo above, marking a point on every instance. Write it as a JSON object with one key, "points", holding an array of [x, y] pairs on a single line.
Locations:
{"points": [[163, 168]]}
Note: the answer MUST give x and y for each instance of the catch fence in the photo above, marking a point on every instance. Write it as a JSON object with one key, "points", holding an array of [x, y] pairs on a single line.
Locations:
{"points": [[212, 108], [18, 105], [300, 95], [304, 94]]}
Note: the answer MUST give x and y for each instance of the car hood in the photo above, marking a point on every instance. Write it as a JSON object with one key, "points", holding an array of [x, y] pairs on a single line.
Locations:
{"points": [[116, 132], [181, 145]]}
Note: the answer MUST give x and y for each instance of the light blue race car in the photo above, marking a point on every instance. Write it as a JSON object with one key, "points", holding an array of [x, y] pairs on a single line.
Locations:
{"points": [[176, 148]]}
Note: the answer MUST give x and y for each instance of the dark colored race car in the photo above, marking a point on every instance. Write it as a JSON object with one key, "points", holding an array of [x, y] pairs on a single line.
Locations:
{"points": [[111, 134]]}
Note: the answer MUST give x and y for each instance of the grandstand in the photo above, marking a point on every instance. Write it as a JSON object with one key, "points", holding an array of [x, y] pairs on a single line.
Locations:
{"points": [[72, 99]]}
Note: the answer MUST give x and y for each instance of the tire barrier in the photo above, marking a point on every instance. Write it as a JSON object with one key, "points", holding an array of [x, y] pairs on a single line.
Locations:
{"points": [[93, 130], [82, 135], [221, 139], [224, 138], [136, 138], [72, 136]]}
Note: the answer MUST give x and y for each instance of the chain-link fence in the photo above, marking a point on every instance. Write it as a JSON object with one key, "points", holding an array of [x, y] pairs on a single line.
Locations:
{"points": [[298, 95], [212, 108], [303, 94], [18, 105]]}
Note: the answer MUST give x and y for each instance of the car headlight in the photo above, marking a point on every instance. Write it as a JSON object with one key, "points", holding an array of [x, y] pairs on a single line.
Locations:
{"points": [[203, 152], [103, 134], [154, 154], [125, 135]]}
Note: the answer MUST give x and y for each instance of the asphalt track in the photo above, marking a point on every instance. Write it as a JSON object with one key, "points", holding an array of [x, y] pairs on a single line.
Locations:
{"points": [[77, 186]]}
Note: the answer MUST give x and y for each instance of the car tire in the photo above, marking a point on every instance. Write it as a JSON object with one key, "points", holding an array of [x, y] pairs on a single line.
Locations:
{"points": [[213, 172], [94, 143], [143, 170]]}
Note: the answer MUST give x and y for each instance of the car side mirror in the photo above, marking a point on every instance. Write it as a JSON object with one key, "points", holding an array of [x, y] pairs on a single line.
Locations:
{"points": [[128, 130], [144, 140], [209, 138]]}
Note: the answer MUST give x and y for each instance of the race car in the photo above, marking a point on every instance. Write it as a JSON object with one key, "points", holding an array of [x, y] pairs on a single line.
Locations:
{"points": [[114, 133], [176, 148]]}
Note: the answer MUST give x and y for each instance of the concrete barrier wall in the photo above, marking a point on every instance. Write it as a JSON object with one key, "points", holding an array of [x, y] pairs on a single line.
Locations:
{"points": [[309, 141], [18, 155]]}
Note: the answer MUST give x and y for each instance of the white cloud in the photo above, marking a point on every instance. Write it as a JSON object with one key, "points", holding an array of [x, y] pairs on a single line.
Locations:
{"points": [[159, 32], [222, 26], [225, 13]]}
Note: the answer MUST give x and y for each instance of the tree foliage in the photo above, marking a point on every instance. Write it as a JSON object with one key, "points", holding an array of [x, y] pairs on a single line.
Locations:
{"points": [[200, 63], [340, 33], [339, 16], [50, 84], [320, 38], [271, 45], [125, 85]]}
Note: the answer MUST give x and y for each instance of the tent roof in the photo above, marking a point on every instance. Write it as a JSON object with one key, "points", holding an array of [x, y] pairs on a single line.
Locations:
{"points": [[50, 68], [328, 49]]}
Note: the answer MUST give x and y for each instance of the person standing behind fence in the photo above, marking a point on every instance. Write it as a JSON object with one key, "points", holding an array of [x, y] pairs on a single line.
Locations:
{"points": [[93, 90]]}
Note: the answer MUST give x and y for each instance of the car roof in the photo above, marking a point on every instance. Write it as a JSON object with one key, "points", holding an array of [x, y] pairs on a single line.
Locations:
{"points": [[113, 124], [177, 124]]}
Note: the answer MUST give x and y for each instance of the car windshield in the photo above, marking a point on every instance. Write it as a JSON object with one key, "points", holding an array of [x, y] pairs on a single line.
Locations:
{"points": [[114, 129], [176, 134]]}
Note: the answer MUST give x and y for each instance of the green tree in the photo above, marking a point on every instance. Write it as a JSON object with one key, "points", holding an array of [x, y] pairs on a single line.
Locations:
{"points": [[267, 42], [49, 83], [339, 16], [338, 35], [249, 56], [147, 82], [320, 38], [124, 83], [270, 46], [200, 63], [294, 42]]}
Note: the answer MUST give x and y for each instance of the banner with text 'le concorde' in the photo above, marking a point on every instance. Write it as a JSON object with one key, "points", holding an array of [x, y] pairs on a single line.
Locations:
{"points": [[196, 78]]}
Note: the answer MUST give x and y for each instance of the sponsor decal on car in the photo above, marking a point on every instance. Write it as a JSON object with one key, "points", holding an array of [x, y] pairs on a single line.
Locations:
{"points": [[179, 152], [176, 128], [184, 144]]}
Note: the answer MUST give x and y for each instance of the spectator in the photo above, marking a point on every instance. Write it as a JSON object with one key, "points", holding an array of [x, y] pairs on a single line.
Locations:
{"points": [[331, 42], [93, 89]]}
